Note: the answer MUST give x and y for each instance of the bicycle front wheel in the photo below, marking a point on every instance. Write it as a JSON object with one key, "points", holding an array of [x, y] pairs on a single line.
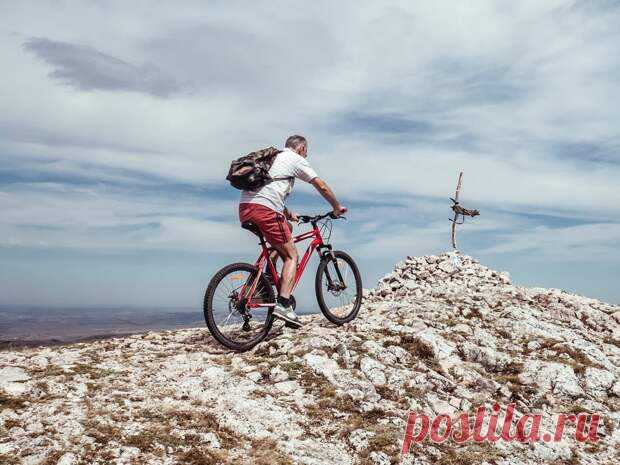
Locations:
{"points": [[228, 317], [338, 287]]}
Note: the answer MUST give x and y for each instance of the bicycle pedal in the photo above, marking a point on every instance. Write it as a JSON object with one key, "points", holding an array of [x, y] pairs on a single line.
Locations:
{"points": [[290, 325]]}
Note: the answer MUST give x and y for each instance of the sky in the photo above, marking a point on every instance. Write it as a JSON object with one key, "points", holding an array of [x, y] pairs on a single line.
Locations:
{"points": [[118, 121]]}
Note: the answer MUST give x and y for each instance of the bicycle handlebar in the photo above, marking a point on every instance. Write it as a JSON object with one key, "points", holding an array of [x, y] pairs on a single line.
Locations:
{"points": [[314, 219]]}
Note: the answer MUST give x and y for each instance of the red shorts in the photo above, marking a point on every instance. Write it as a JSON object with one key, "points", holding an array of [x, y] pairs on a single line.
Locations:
{"points": [[272, 224]]}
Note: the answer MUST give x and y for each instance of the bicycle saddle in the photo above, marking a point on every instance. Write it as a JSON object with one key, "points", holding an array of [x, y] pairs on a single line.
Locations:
{"points": [[250, 226]]}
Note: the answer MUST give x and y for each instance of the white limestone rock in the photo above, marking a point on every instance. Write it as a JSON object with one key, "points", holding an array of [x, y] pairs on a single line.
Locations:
{"points": [[436, 343], [374, 371], [67, 459], [12, 380], [598, 382], [550, 376], [278, 375]]}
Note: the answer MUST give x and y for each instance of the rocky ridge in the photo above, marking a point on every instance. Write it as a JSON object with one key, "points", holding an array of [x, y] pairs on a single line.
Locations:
{"points": [[439, 335]]}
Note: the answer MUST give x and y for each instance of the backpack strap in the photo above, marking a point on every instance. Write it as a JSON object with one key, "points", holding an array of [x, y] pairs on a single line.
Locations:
{"points": [[281, 178]]}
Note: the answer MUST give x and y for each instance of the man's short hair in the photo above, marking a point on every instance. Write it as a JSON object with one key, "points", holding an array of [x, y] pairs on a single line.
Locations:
{"points": [[294, 142]]}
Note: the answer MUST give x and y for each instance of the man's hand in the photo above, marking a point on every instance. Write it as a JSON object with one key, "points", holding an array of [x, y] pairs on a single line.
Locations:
{"points": [[339, 211], [290, 215]]}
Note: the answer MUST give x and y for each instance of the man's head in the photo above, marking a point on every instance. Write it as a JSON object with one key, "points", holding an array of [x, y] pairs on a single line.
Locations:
{"points": [[297, 144]]}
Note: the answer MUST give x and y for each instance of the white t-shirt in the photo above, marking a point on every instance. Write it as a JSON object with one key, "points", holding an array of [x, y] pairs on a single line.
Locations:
{"points": [[273, 195]]}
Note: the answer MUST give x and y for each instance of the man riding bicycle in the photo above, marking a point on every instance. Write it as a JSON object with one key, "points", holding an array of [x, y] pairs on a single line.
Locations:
{"points": [[265, 207]]}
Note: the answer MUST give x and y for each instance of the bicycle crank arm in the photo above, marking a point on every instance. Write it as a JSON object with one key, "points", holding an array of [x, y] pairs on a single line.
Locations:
{"points": [[259, 305]]}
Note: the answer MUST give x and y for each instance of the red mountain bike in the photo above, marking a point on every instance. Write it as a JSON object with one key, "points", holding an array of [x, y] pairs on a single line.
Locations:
{"points": [[239, 300]]}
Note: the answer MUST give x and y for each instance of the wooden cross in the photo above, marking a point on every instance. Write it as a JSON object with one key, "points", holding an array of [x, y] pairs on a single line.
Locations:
{"points": [[459, 211]]}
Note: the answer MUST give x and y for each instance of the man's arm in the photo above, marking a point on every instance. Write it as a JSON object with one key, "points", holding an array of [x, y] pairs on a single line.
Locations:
{"points": [[328, 195]]}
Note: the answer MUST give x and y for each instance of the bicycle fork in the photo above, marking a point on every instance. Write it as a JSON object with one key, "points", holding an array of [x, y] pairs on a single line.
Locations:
{"points": [[341, 285]]}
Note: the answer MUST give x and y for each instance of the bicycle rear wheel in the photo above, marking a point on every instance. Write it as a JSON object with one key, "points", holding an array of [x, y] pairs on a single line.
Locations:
{"points": [[230, 321], [338, 287]]}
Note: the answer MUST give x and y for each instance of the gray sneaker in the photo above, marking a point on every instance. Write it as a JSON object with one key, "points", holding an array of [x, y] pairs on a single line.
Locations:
{"points": [[288, 315]]}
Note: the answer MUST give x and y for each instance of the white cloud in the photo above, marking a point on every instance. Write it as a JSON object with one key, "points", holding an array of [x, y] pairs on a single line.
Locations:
{"points": [[474, 71], [582, 243], [54, 216]]}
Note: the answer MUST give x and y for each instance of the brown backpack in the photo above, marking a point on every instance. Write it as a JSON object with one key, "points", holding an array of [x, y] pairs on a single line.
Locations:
{"points": [[251, 172]]}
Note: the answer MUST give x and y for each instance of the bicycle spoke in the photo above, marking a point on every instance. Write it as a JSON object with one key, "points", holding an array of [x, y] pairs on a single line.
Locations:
{"points": [[227, 286], [227, 318], [222, 295]]}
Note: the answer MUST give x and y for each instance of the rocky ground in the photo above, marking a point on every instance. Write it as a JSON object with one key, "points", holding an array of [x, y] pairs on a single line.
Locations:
{"points": [[436, 335]]}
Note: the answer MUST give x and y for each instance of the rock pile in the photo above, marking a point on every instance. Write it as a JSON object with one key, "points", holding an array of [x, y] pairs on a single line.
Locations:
{"points": [[450, 273], [438, 335]]}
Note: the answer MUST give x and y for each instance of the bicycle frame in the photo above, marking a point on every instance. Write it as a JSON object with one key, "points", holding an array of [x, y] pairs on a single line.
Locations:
{"points": [[264, 258]]}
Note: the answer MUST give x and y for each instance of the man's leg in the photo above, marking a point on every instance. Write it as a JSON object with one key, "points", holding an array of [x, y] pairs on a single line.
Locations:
{"points": [[288, 252], [277, 232], [279, 252], [283, 309], [273, 256]]}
